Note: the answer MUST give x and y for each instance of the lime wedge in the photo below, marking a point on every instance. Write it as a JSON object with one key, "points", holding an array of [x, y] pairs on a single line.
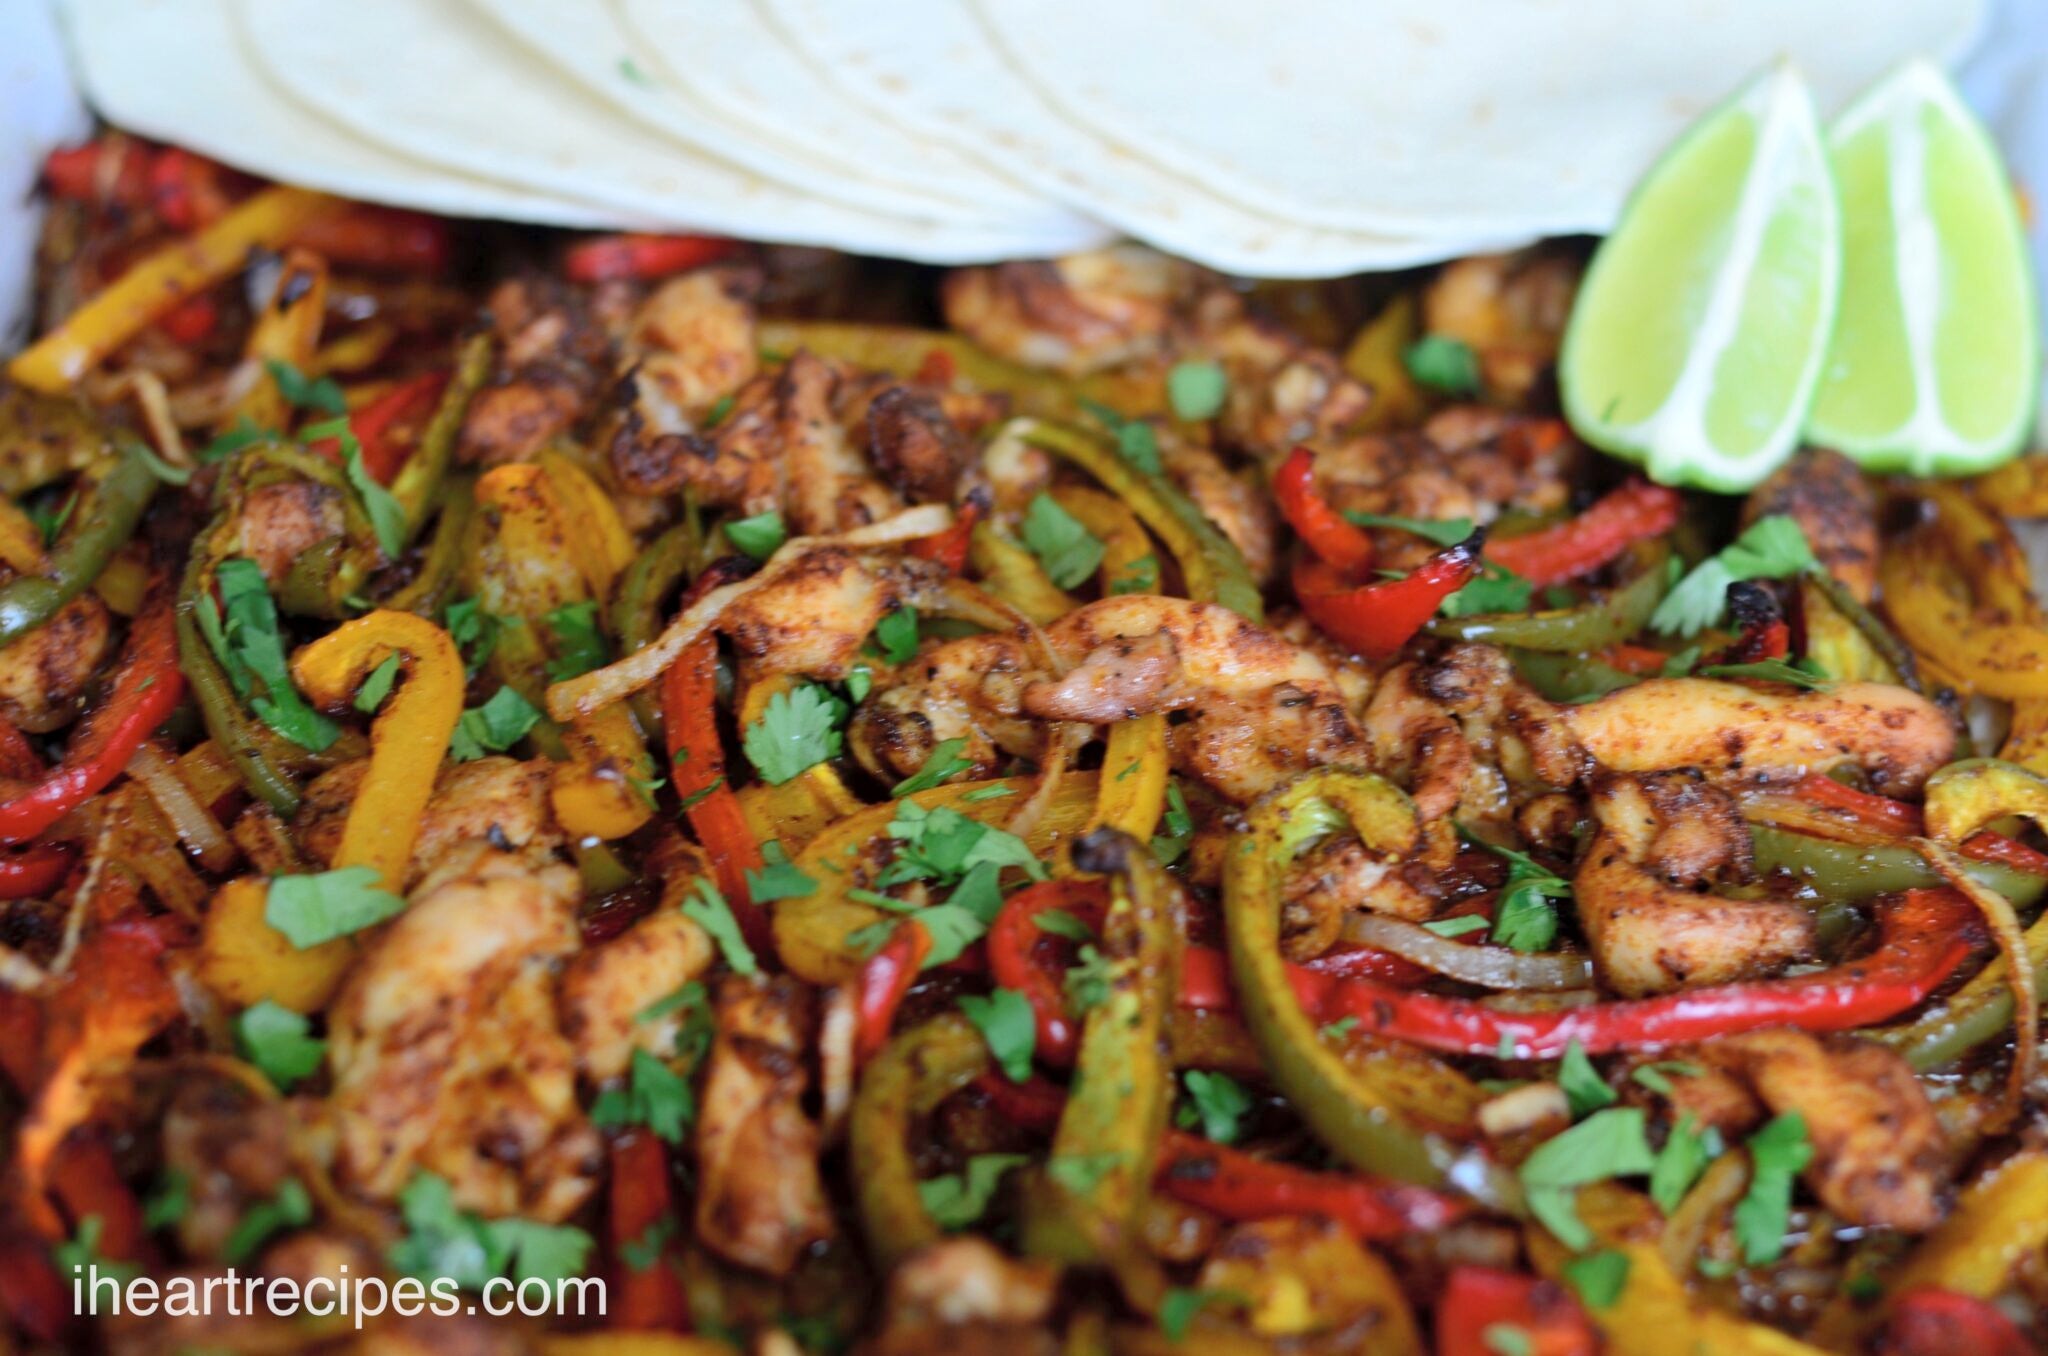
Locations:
{"points": [[1697, 338], [1936, 352]]}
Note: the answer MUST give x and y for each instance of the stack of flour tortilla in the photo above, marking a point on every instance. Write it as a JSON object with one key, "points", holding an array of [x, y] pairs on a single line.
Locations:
{"points": [[1305, 139]]}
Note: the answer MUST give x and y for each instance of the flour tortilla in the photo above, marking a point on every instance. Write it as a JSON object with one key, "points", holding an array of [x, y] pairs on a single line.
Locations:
{"points": [[589, 45], [1421, 117], [725, 55], [428, 80], [126, 51], [930, 64]]}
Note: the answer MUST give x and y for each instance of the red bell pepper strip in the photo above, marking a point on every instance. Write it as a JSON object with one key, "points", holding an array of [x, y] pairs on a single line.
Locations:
{"points": [[648, 1298], [185, 189], [884, 980], [83, 174], [1599, 535], [689, 707], [1932, 1322], [1376, 620], [1923, 936], [641, 257], [33, 1297], [937, 369], [1013, 961], [1336, 541], [949, 547], [379, 239], [1477, 1302], [1886, 815], [146, 688], [1239, 1187], [36, 870], [191, 321], [377, 424], [1637, 659], [87, 1183]]}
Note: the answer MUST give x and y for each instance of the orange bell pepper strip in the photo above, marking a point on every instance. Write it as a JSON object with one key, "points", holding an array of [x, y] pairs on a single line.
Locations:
{"points": [[949, 548], [1594, 538], [174, 274], [408, 739], [643, 257], [689, 714], [286, 331], [648, 1292]]}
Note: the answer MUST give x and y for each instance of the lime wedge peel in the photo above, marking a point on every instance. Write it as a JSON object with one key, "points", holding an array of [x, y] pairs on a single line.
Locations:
{"points": [[1698, 336], [1935, 364]]}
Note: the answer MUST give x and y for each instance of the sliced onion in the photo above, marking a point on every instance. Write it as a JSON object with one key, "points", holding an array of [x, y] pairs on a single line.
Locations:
{"points": [[195, 825], [1489, 967]]}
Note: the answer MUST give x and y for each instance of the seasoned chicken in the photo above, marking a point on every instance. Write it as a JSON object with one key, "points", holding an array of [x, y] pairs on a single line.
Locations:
{"points": [[499, 799], [445, 1049], [1076, 315], [283, 520], [965, 1294], [607, 988], [760, 1200], [1510, 309], [45, 673], [691, 343], [1827, 495], [1662, 838], [552, 357], [230, 1149], [1281, 391]]}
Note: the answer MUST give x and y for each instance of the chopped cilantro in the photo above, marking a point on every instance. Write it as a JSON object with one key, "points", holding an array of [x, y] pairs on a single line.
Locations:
{"points": [[243, 433], [1137, 576], [778, 877], [655, 1096], [1060, 923], [1680, 1162], [941, 763], [897, 635], [1179, 828], [1455, 927], [1523, 916], [1802, 673], [1339, 1029], [1656, 1078], [1216, 1102], [1178, 1307], [246, 637], [493, 727], [1497, 589], [275, 1040], [1583, 1086], [758, 536], [167, 1203], [442, 1240], [1068, 551], [1196, 390], [1007, 1023], [1777, 1154], [1090, 979], [579, 642], [303, 392], [957, 1200], [474, 631], [1598, 1277], [317, 908], [1135, 440], [707, 909], [1608, 1143], [643, 1252], [290, 1208], [799, 730], [1443, 363], [377, 686], [1772, 547], [1082, 1173]]}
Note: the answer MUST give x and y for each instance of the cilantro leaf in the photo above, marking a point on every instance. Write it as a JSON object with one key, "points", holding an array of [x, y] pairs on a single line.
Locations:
{"points": [[1178, 826], [1217, 1102], [244, 433], [1681, 1161], [1773, 547], [1007, 1023], [1137, 576], [1068, 551], [1178, 1307], [1443, 363], [377, 686], [493, 727], [1082, 1173], [759, 536], [942, 762], [274, 1039], [1135, 441], [167, 1203], [1442, 531], [1583, 1086], [1598, 1277], [1496, 589], [1060, 923], [317, 908], [655, 1096], [778, 877], [959, 1199], [1196, 390], [1804, 674], [290, 1208], [303, 392], [708, 910], [1655, 1076], [474, 631], [81, 1252], [897, 635], [579, 643], [1339, 1029], [1523, 917], [380, 506], [798, 730], [1089, 980], [643, 1252], [1508, 1339], [247, 638], [1608, 1143], [1455, 927], [1777, 1154]]}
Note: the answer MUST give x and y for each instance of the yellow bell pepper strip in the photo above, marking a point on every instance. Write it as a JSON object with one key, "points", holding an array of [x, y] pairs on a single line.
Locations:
{"points": [[1085, 1206], [174, 274], [1352, 1109], [803, 807], [914, 1073], [604, 547], [287, 330], [1999, 1220], [1014, 575], [1212, 567], [1376, 358], [1654, 1303], [1966, 797], [944, 358], [408, 739], [2026, 740], [418, 482], [1839, 642], [1988, 648], [811, 930], [21, 541], [244, 960]]}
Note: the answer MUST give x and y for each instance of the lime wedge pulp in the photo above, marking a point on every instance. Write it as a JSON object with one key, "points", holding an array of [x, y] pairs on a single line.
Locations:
{"points": [[1936, 352], [1697, 339]]}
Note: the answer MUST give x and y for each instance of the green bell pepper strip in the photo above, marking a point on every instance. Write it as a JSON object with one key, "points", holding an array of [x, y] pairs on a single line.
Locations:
{"points": [[434, 585], [914, 1073], [1122, 1089], [636, 611], [104, 523], [1853, 872], [1875, 633], [1214, 570], [1586, 629], [1569, 678], [1344, 1104], [418, 482]]}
